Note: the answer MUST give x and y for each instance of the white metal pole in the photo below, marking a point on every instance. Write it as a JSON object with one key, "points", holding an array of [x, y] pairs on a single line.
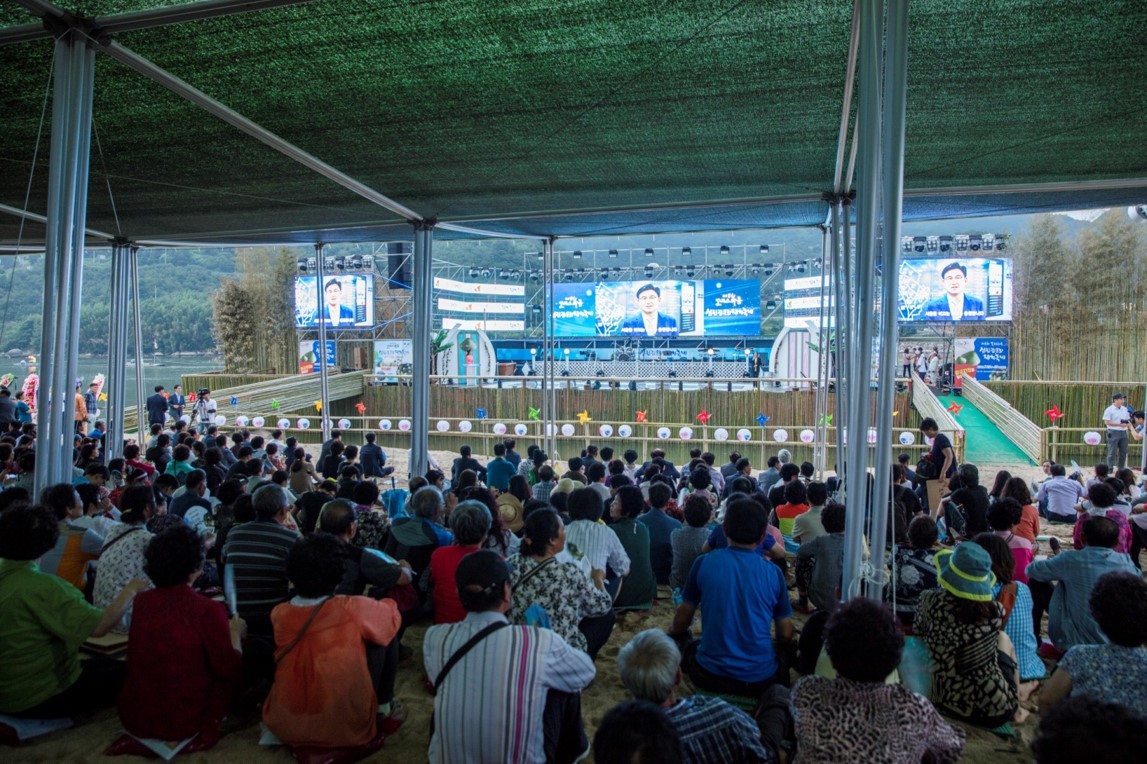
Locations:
{"points": [[324, 371], [423, 258]]}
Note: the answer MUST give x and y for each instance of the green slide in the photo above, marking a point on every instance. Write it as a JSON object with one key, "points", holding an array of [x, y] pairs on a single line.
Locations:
{"points": [[984, 443]]}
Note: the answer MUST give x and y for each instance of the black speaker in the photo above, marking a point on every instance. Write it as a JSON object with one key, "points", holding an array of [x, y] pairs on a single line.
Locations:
{"points": [[398, 264]]}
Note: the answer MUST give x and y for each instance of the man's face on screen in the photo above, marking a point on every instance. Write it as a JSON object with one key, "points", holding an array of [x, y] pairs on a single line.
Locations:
{"points": [[649, 301]]}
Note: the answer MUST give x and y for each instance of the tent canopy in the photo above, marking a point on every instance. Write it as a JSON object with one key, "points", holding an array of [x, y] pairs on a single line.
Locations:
{"points": [[571, 118]]}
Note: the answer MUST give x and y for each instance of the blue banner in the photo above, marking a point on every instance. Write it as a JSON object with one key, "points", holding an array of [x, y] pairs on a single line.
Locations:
{"points": [[310, 359], [575, 310], [732, 307]]}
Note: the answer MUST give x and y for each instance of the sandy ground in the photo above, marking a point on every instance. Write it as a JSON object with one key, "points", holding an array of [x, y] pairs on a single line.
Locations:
{"points": [[88, 739]]}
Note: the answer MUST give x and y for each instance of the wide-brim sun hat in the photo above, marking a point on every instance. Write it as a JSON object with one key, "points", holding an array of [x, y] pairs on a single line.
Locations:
{"points": [[966, 572]]}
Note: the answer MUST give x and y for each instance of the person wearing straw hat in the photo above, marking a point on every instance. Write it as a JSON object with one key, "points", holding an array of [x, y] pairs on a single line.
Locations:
{"points": [[975, 676]]}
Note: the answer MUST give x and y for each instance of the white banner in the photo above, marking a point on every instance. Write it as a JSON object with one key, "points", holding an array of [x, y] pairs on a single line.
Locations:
{"points": [[460, 306], [389, 355], [466, 287], [477, 324]]}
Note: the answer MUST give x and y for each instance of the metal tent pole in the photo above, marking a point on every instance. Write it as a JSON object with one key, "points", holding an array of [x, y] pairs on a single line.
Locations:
{"points": [[820, 448], [423, 258], [549, 394], [895, 86], [117, 351], [868, 201], [324, 371], [140, 399], [839, 370]]}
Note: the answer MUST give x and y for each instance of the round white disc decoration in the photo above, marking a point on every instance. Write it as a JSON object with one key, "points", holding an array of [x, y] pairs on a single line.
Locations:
{"points": [[686, 433], [744, 435], [442, 426], [780, 436], [1092, 438], [568, 429], [871, 434], [258, 421], [500, 428], [520, 429], [385, 425], [220, 420], [624, 431], [907, 438], [807, 436], [344, 424], [404, 425], [304, 424], [721, 434], [241, 421], [465, 426], [663, 433], [284, 423], [606, 431], [551, 429]]}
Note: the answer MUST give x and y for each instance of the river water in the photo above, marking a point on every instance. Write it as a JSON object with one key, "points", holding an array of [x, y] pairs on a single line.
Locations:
{"points": [[163, 370]]}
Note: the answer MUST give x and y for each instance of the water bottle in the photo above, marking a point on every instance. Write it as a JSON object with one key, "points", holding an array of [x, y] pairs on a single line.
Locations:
{"points": [[677, 597]]}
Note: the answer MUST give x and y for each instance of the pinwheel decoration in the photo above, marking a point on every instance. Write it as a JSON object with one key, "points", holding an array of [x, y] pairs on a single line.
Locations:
{"points": [[275, 404], [318, 405], [583, 416], [825, 420], [762, 420], [534, 413], [360, 407], [642, 416], [954, 408], [703, 417], [234, 400], [1054, 413], [480, 413]]}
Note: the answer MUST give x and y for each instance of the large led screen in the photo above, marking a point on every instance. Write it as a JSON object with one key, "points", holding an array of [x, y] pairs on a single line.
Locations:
{"points": [[955, 289], [647, 309], [347, 302]]}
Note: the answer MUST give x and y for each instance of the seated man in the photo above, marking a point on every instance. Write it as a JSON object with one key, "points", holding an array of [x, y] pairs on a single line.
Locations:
{"points": [[742, 596], [257, 552], [528, 679], [466, 462], [415, 538], [711, 730], [373, 459], [827, 555], [1070, 622], [636, 732], [1058, 496], [661, 527]]}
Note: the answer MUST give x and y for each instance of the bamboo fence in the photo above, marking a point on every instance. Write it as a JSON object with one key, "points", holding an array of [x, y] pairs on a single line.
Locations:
{"points": [[928, 405], [1016, 427]]}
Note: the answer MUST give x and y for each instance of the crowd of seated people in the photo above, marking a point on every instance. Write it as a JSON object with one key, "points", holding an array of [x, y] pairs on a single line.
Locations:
{"points": [[522, 566]]}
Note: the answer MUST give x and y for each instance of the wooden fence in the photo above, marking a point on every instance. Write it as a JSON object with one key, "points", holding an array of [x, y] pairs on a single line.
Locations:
{"points": [[1016, 427]]}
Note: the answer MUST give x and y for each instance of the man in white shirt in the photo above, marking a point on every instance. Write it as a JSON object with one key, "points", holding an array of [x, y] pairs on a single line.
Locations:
{"points": [[1059, 495], [515, 694], [1117, 417]]}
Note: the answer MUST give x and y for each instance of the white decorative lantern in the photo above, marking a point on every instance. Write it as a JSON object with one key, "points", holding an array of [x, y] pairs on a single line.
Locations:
{"points": [[344, 424], [624, 431], [442, 426], [686, 433], [500, 428], [872, 435], [284, 423], [385, 425], [907, 438], [404, 425], [663, 433], [241, 421], [258, 422], [520, 429], [721, 434], [465, 426], [568, 429], [220, 420], [781, 435], [606, 431], [1092, 438], [744, 435], [304, 424], [807, 436]]}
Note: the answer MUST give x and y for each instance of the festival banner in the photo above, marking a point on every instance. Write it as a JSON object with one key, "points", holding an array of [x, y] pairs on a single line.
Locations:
{"points": [[390, 356], [310, 357], [985, 357]]}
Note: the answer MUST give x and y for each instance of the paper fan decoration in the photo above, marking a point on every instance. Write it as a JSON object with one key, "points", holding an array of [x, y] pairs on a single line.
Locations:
{"points": [[663, 433], [624, 431], [907, 438], [258, 421], [807, 436], [685, 433], [780, 436], [241, 421], [744, 435], [442, 426], [520, 429], [220, 420], [500, 428], [385, 425], [1092, 438], [568, 429], [404, 425], [606, 431], [720, 434], [304, 424], [284, 423], [344, 424]]}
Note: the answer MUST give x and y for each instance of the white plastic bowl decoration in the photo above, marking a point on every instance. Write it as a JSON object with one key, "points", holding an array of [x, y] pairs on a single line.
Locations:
{"points": [[304, 424], [551, 429], [686, 433], [344, 424], [871, 434], [1092, 438], [807, 436], [442, 426], [907, 438], [284, 423], [186, 419], [606, 431], [465, 426], [404, 425], [745, 435], [720, 434], [220, 420], [500, 428], [663, 433], [385, 425], [624, 431], [520, 429], [781, 435], [568, 429], [258, 421], [241, 421]]}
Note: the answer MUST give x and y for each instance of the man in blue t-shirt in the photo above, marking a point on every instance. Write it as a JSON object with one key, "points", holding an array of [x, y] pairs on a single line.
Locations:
{"points": [[742, 596]]}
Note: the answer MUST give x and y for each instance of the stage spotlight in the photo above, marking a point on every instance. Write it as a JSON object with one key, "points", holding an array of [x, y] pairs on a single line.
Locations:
{"points": [[534, 277], [686, 252], [541, 255], [1001, 242], [676, 270], [768, 270], [906, 244], [474, 273], [945, 243], [368, 262], [989, 242], [728, 270], [756, 269], [933, 244], [764, 249], [649, 271], [567, 276], [649, 252], [975, 242], [771, 305], [919, 243], [603, 274], [577, 254], [724, 249], [302, 266], [340, 263], [690, 273], [961, 242], [356, 263], [613, 253], [801, 267], [485, 273]]}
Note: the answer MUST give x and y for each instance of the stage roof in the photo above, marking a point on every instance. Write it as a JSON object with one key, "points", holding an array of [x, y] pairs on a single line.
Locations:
{"points": [[570, 117]]}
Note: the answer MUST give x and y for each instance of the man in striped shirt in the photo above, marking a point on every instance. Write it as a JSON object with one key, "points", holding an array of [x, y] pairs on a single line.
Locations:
{"points": [[515, 694], [257, 553]]}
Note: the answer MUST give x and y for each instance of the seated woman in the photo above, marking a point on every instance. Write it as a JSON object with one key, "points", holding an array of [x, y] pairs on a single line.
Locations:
{"points": [[1028, 526], [181, 646], [975, 676], [303, 476], [122, 557], [915, 569], [1100, 502], [1004, 519], [77, 545], [470, 522], [639, 587], [45, 621], [579, 609], [512, 502], [1016, 599], [1115, 671], [856, 716], [324, 693]]}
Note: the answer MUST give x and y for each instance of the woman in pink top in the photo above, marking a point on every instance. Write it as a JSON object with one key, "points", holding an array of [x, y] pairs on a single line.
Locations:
{"points": [[1028, 526], [1003, 518]]}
